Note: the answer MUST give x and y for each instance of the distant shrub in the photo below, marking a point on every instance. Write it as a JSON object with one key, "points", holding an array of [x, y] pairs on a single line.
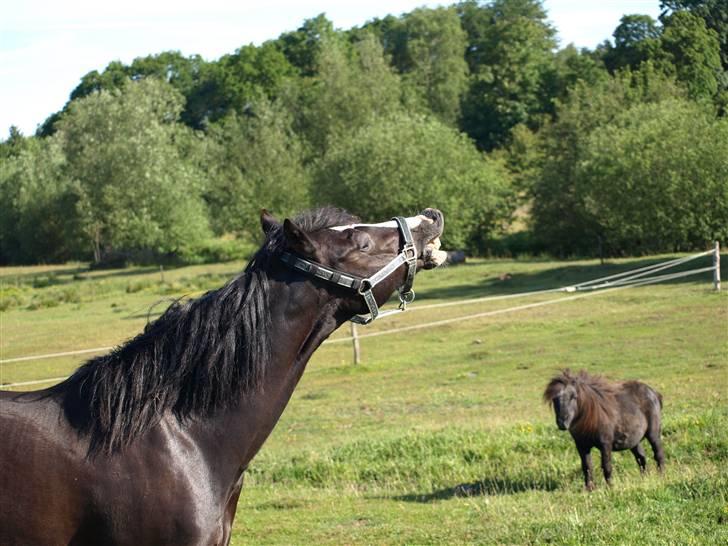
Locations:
{"points": [[10, 297], [216, 250], [54, 298]]}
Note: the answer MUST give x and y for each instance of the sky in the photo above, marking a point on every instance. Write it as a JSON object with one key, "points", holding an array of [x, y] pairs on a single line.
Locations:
{"points": [[46, 46]]}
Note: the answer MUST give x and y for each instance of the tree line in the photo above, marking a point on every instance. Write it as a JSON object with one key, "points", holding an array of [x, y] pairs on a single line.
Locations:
{"points": [[473, 108]]}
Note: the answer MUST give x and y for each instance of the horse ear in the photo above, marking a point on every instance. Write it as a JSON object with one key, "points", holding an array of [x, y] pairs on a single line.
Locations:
{"points": [[297, 239], [268, 221]]}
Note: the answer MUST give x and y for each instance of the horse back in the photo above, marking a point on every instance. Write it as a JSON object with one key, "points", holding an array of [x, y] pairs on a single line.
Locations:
{"points": [[645, 397], [639, 414]]}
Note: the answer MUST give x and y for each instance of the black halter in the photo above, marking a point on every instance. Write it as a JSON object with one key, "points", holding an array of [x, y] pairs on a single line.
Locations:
{"points": [[363, 287]]}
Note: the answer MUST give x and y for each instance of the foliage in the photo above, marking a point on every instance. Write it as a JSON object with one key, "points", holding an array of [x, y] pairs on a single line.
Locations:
{"points": [[646, 190], [235, 82], [569, 66], [694, 52], [203, 143], [37, 205], [636, 40], [302, 47], [619, 178], [713, 12], [255, 161], [353, 84], [372, 173], [509, 54], [431, 62], [134, 189]]}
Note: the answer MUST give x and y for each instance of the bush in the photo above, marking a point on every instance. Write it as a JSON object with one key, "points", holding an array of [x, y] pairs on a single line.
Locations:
{"points": [[216, 250]]}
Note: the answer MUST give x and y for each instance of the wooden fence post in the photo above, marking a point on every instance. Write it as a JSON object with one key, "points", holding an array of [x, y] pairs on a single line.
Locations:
{"points": [[355, 341], [716, 265]]}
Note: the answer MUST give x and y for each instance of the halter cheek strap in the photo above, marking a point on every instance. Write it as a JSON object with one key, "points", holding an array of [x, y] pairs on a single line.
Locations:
{"points": [[364, 286]]}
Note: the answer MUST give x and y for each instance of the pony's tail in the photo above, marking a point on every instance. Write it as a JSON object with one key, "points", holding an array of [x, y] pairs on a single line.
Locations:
{"points": [[659, 397]]}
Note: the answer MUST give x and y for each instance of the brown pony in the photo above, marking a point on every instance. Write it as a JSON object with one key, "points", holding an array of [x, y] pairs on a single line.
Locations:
{"points": [[611, 416]]}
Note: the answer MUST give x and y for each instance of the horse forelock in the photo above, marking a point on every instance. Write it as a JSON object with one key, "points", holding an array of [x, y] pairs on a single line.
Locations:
{"points": [[553, 389]]}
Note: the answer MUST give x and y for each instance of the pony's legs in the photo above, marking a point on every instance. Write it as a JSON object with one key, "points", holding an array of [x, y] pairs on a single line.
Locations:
{"points": [[586, 467], [606, 451], [640, 457], [653, 436]]}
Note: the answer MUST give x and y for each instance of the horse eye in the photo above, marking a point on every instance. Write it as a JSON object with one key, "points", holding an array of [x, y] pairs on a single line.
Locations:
{"points": [[366, 246]]}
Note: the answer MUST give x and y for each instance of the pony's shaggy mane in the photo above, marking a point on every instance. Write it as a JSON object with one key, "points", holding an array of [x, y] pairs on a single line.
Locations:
{"points": [[596, 399], [198, 357]]}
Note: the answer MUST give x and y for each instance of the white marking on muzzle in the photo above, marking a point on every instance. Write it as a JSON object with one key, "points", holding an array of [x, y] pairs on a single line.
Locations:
{"points": [[412, 222]]}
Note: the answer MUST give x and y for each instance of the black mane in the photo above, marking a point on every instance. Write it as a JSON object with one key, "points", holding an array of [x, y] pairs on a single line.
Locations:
{"points": [[198, 357]]}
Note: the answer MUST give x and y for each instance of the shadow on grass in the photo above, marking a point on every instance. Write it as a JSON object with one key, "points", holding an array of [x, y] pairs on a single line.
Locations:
{"points": [[59, 277], [513, 283], [489, 486]]}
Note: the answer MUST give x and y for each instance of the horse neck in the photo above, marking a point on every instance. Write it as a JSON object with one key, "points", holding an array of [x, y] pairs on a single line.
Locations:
{"points": [[302, 317]]}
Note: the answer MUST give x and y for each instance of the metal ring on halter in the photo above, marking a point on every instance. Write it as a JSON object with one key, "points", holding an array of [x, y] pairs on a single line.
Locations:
{"points": [[407, 297]]}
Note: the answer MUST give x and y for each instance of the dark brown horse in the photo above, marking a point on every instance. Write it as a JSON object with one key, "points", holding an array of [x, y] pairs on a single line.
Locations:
{"points": [[147, 445], [607, 415]]}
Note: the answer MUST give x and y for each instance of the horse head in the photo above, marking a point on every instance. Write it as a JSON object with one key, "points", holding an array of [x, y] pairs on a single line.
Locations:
{"points": [[363, 264], [563, 395]]}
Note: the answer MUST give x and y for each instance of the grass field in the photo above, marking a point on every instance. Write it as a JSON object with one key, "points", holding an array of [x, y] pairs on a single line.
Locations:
{"points": [[440, 435]]}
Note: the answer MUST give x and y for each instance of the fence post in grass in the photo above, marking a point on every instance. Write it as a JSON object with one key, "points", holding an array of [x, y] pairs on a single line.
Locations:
{"points": [[716, 267], [355, 342]]}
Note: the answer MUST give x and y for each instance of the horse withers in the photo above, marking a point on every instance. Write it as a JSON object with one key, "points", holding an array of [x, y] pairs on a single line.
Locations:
{"points": [[147, 445], [609, 416]]}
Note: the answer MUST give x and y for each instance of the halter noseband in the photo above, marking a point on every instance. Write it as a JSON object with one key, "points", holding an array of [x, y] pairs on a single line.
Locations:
{"points": [[363, 287]]}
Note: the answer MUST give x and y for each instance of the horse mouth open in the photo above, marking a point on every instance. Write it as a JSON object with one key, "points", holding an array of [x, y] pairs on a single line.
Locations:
{"points": [[432, 225]]}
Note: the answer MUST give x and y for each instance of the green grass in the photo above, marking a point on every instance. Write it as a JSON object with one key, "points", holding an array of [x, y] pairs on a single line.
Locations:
{"points": [[440, 436]]}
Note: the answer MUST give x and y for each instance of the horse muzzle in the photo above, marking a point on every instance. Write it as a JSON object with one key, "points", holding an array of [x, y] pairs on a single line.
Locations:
{"points": [[431, 256]]}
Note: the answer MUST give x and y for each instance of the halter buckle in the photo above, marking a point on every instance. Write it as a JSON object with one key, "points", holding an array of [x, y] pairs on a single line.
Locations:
{"points": [[410, 252]]}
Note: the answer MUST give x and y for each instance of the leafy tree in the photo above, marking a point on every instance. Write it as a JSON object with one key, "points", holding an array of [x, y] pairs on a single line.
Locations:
{"points": [[432, 62], [113, 77], [713, 12], [569, 66], [353, 84], [636, 40], [559, 215], [254, 161], [509, 51], [402, 164], [37, 199], [134, 189], [14, 144], [694, 51], [235, 82], [302, 47], [646, 189], [183, 73]]}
